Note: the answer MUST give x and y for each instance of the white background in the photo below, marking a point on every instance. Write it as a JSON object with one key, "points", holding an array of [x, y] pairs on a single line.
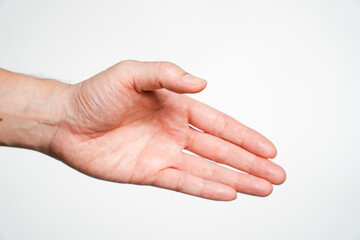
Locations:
{"points": [[289, 69]]}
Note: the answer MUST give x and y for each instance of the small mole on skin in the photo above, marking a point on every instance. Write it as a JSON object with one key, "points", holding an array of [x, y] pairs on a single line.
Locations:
{"points": [[0, 119]]}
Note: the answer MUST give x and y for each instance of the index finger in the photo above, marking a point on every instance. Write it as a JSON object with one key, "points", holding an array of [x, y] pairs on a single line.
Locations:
{"points": [[221, 125]]}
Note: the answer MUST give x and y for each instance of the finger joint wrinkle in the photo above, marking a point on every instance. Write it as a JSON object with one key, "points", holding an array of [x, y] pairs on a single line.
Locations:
{"points": [[243, 136], [251, 164], [220, 125], [222, 152]]}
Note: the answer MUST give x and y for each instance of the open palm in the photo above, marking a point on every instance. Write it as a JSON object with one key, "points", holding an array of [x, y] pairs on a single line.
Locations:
{"points": [[131, 123]]}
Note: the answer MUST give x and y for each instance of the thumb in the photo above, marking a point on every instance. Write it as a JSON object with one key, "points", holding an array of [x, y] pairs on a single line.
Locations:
{"points": [[147, 76]]}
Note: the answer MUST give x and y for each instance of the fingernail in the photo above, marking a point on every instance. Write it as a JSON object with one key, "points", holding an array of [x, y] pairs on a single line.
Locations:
{"points": [[188, 78]]}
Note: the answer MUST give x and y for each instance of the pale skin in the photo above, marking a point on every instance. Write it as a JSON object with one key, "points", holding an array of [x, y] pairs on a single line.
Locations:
{"points": [[131, 124]]}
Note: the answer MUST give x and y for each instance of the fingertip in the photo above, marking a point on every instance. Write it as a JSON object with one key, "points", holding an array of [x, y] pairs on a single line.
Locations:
{"points": [[268, 149], [221, 192], [272, 151], [257, 143], [273, 172], [194, 84], [232, 195], [281, 177], [266, 190], [204, 84], [255, 186]]}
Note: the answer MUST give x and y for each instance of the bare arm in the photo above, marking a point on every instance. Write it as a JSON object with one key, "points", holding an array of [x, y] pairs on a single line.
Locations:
{"points": [[30, 110]]}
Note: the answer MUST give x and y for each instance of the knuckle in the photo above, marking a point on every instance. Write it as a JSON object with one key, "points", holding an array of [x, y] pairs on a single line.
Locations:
{"points": [[244, 136], [239, 183], [208, 171], [179, 162], [222, 152], [220, 124], [180, 182], [201, 192], [125, 65], [166, 68], [123, 68], [190, 139], [128, 62], [251, 164]]}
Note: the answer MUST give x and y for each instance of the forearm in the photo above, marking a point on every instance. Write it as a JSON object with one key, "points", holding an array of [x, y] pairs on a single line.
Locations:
{"points": [[31, 110]]}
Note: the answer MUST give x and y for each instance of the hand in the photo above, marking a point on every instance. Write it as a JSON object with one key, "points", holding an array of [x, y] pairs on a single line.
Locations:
{"points": [[130, 124]]}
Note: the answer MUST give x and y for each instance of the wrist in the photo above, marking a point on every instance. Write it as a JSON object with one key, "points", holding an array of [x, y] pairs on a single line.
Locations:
{"points": [[31, 110]]}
